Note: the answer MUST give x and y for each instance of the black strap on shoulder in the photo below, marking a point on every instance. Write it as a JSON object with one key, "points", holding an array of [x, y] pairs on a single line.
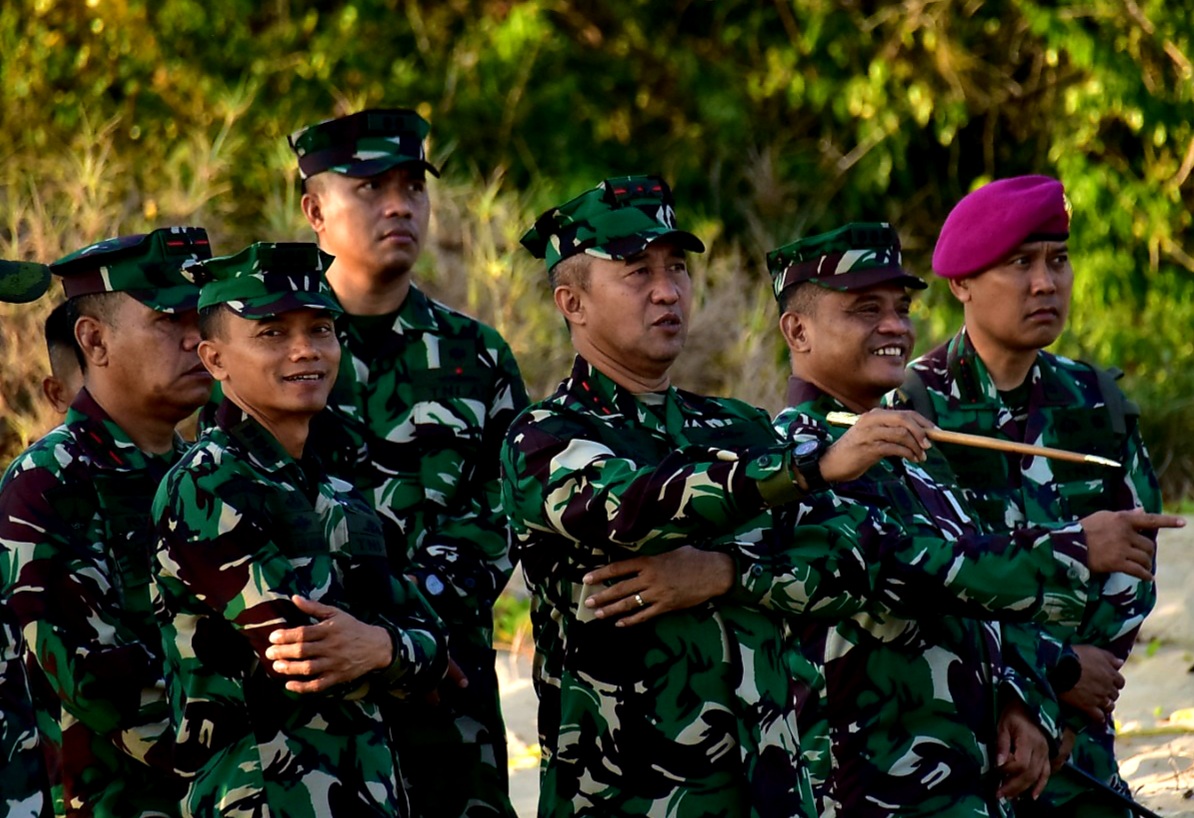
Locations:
{"points": [[916, 395], [1119, 408]]}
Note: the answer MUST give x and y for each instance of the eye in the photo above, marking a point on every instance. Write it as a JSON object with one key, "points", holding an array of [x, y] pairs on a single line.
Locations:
{"points": [[323, 329], [418, 186], [678, 268]]}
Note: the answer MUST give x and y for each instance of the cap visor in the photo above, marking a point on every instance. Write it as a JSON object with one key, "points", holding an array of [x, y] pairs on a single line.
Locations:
{"points": [[268, 306], [372, 167], [628, 246], [23, 281], [168, 299], [861, 279]]}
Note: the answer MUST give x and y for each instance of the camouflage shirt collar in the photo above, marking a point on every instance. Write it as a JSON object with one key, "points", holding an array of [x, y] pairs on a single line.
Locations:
{"points": [[107, 445], [976, 386], [801, 392], [262, 448], [598, 393], [415, 315]]}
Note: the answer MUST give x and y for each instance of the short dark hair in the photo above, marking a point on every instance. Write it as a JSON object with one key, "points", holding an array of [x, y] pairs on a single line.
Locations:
{"points": [[60, 337], [100, 306], [573, 270], [211, 321], [802, 298]]}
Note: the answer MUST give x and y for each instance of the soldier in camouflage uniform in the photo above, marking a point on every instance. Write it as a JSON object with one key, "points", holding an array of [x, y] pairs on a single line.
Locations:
{"points": [[283, 624], [923, 716], [24, 788], [1003, 249], [74, 524], [425, 395], [693, 713]]}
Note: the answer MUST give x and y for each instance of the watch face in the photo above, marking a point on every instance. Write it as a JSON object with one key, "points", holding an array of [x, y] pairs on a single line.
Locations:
{"points": [[807, 447]]}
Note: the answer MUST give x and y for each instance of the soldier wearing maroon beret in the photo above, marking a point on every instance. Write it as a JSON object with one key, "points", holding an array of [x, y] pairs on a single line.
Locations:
{"points": [[1004, 251]]}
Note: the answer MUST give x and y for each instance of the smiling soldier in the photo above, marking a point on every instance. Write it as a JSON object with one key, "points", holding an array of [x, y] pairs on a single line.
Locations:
{"points": [[283, 625]]}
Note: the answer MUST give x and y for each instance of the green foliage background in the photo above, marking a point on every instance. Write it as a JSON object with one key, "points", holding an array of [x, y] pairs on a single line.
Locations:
{"points": [[773, 119]]}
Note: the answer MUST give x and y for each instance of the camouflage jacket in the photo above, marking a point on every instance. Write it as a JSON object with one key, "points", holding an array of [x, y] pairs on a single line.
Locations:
{"points": [[74, 523], [913, 688], [693, 713], [23, 779], [242, 527], [1067, 408], [425, 412]]}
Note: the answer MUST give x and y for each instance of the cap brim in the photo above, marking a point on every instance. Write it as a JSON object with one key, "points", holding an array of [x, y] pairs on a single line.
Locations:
{"points": [[861, 279], [168, 299], [627, 246], [372, 167], [268, 306], [23, 281]]}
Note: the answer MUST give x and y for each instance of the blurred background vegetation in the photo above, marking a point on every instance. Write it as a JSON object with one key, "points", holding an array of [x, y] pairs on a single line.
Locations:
{"points": [[772, 119]]}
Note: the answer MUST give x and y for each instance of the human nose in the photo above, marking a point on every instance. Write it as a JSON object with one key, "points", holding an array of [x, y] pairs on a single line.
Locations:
{"points": [[666, 290], [1041, 277], [398, 202], [304, 348], [190, 333], [893, 322]]}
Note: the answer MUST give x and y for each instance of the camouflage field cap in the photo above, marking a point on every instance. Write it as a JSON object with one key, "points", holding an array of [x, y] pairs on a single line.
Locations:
{"points": [[267, 279], [853, 257], [615, 220], [363, 144], [147, 266], [23, 281]]}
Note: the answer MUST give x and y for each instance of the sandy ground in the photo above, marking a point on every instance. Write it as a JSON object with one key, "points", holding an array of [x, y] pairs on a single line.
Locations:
{"points": [[1155, 712]]}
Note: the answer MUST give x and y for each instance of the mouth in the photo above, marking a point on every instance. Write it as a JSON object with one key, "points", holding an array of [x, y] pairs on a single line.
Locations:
{"points": [[197, 371], [305, 377], [400, 235], [891, 351], [1045, 313], [669, 321]]}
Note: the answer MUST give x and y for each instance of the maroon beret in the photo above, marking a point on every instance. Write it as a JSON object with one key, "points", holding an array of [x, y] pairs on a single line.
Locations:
{"points": [[997, 218]]}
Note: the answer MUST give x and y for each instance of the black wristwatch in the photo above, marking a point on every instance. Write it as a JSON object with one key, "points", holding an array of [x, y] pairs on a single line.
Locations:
{"points": [[806, 459]]}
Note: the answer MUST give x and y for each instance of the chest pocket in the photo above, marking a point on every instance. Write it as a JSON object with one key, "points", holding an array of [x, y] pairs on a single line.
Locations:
{"points": [[123, 502], [365, 537]]}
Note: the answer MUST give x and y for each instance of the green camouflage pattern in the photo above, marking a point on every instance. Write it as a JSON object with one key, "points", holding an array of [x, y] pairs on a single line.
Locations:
{"points": [[856, 255], [23, 281], [694, 712], [1066, 409], [422, 413], [242, 527], [615, 220], [362, 144], [148, 266], [74, 526], [914, 682], [24, 785], [265, 279]]}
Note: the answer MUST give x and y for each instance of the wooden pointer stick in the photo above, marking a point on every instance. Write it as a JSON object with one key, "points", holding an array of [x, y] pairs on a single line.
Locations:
{"points": [[981, 442]]}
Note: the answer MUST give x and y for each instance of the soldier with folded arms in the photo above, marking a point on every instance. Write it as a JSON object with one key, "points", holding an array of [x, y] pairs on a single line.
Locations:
{"points": [[284, 627]]}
